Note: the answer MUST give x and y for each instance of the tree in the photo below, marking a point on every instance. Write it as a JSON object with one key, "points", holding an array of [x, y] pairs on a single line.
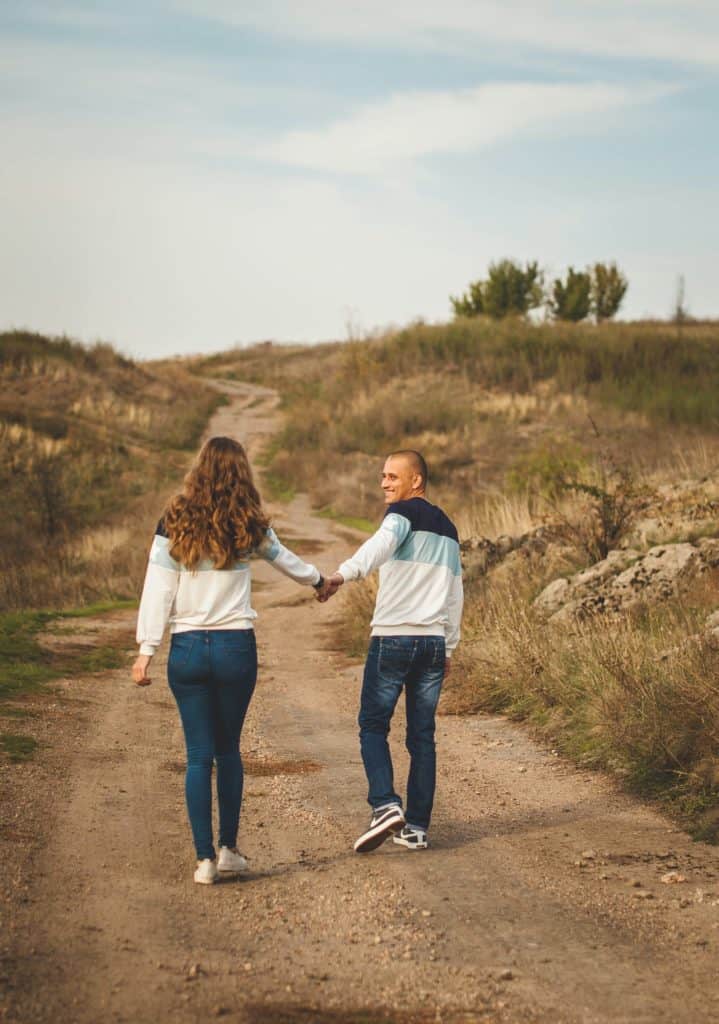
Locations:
{"points": [[509, 290], [471, 303], [609, 286], [571, 299]]}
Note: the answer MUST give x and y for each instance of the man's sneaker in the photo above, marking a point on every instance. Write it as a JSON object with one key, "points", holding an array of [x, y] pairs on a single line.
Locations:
{"points": [[411, 837], [230, 861], [206, 871], [385, 821]]}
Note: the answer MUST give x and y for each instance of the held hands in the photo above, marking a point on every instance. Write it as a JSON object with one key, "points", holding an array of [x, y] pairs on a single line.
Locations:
{"points": [[330, 587], [139, 670]]}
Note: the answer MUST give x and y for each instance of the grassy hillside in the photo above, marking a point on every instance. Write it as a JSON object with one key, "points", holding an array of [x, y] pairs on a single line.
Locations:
{"points": [[606, 436], [490, 403], [87, 440]]}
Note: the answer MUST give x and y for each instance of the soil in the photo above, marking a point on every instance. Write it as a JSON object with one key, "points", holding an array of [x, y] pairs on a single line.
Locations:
{"points": [[546, 896]]}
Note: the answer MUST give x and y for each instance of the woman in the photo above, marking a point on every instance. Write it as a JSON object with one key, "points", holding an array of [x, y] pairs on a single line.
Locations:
{"points": [[198, 580]]}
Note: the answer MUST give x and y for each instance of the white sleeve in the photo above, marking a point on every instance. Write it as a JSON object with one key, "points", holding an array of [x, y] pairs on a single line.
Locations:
{"points": [[158, 595], [378, 549], [286, 562], [455, 602]]}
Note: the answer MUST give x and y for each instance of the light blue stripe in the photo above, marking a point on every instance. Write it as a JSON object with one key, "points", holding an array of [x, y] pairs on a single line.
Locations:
{"points": [[160, 555], [270, 548], [399, 525], [430, 549]]}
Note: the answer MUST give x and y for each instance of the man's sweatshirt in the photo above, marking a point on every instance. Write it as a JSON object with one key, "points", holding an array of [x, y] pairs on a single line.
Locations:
{"points": [[205, 597], [420, 575]]}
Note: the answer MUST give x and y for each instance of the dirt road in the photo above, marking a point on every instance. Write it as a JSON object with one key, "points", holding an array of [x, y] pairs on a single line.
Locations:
{"points": [[545, 896]]}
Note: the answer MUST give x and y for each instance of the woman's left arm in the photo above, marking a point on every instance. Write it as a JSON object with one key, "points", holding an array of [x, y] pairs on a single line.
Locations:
{"points": [[287, 562]]}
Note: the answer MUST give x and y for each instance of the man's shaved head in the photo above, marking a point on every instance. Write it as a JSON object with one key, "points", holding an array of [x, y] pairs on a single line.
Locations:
{"points": [[416, 462]]}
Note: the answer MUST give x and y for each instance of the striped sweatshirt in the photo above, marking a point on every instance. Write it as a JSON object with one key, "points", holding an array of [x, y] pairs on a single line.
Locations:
{"points": [[420, 576], [205, 597]]}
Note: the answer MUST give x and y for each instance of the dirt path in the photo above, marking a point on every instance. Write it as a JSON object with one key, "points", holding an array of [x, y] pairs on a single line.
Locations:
{"points": [[541, 899]]}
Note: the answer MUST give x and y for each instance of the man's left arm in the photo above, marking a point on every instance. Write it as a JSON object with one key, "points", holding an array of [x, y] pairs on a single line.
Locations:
{"points": [[455, 603]]}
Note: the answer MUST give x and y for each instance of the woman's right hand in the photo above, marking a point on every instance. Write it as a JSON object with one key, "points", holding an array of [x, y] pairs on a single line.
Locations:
{"points": [[139, 670]]}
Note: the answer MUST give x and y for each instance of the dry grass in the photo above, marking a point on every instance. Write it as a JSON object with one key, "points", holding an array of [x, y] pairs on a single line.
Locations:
{"points": [[85, 437], [637, 694]]}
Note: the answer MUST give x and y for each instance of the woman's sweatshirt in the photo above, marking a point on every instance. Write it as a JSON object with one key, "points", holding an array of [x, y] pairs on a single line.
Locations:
{"points": [[206, 597]]}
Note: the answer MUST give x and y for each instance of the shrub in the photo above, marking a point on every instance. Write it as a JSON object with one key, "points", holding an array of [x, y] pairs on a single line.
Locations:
{"points": [[609, 287], [571, 299], [509, 290]]}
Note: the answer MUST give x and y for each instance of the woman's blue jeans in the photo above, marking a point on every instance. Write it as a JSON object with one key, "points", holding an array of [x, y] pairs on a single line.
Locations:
{"points": [[417, 664], [212, 675]]}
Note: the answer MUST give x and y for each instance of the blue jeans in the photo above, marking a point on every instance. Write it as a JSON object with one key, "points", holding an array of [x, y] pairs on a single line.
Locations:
{"points": [[212, 675], [417, 664]]}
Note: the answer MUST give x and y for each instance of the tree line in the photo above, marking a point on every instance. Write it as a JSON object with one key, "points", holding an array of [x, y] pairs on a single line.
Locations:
{"points": [[511, 289]]}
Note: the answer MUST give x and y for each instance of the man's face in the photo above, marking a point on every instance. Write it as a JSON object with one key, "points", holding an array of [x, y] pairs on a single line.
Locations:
{"points": [[399, 480]]}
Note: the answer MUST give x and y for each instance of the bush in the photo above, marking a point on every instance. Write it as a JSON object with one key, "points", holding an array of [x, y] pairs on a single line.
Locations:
{"points": [[509, 290], [571, 299], [609, 287]]}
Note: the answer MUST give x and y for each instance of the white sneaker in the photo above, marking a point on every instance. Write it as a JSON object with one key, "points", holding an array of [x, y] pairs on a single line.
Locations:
{"points": [[411, 837], [231, 862], [206, 871]]}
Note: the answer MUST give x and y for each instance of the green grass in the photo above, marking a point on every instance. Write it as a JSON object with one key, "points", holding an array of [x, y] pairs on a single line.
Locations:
{"points": [[25, 666], [98, 608], [354, 522], [17, 748]]}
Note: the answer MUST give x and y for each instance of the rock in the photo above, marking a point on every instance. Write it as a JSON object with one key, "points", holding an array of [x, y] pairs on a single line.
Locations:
{"points": [[643, 894], [506, 975], [589, 855], [672, 878], [553, 597], [626, 577]]}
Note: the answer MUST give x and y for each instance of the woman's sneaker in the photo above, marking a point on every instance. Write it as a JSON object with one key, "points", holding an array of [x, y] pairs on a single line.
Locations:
{"points": [[385, 821], [231, 862], [206, 871], [411, 837]]}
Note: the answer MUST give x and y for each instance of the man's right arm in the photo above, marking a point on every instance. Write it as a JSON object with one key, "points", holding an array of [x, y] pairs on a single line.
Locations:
{"points": [[378, 549]]}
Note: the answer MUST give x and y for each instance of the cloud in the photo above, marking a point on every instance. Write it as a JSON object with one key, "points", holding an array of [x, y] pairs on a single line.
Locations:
{"points": [[417, 124], [686, 32]]}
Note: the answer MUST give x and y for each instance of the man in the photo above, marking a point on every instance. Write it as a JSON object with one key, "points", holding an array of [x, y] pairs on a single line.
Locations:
{"points": [[415, 629]]}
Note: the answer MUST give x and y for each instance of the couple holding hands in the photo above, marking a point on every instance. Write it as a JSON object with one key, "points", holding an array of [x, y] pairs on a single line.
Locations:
{"points": [[198, 581]]}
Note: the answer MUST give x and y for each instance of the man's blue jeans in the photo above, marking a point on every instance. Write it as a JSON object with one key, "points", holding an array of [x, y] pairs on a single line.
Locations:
{"points": [[417, 664], [212, 675]]}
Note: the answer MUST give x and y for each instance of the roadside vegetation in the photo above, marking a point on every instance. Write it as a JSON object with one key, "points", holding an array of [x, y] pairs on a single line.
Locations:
{"points": [[607, 436], [91, 443], [87, 440]]}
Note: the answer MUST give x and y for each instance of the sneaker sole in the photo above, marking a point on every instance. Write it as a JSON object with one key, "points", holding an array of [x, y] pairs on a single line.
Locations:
{"points": [[234, 871], [205, 881], [377, 836]]}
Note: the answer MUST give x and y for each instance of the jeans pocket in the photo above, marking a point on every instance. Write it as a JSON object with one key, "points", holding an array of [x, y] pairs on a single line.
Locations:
{"points": [[395, 655], [181, 647]]}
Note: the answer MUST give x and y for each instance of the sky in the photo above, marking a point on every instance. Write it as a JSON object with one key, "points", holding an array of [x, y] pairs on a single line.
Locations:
{"points": [[183, 176]]}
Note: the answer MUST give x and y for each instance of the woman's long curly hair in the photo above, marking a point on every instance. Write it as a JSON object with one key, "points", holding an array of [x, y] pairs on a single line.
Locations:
{"points": [[218, 514]]}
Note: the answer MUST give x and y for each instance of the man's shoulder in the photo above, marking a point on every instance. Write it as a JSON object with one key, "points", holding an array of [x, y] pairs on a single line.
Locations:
{"points": [[424, 516]]}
